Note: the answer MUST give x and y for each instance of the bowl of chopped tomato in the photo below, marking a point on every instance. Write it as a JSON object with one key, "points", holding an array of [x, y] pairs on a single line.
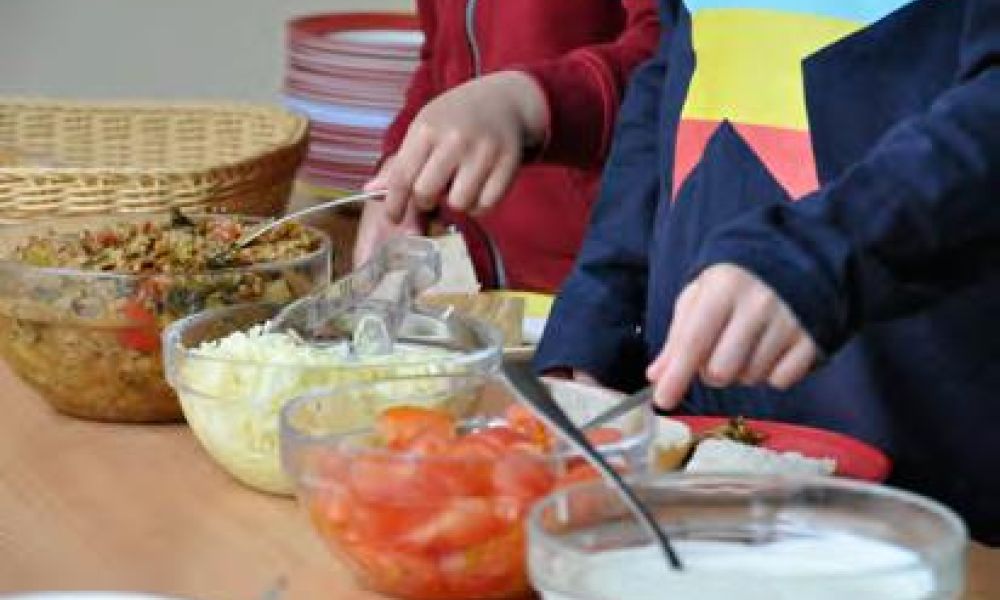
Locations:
{"points": [[83, 300], [430, 501]]}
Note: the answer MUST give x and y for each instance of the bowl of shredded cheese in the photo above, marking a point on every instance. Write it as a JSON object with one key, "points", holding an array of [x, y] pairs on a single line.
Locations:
{"points": [[232, 377]]}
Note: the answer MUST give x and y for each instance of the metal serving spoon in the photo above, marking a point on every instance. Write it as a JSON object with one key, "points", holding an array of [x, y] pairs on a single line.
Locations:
{"points": [[635, 400], [263, 228], [522, 378]]}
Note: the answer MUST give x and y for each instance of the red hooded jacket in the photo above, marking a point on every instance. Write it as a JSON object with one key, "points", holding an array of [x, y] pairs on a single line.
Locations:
{"points": [[581, 53]]}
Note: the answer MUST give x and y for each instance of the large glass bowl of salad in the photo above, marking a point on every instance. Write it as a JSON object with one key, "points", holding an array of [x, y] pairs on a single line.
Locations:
{"points": [[233, 376], [83, 300]]}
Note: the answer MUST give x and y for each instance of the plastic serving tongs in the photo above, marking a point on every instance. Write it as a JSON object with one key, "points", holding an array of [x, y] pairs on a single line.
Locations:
{"points": [[368, 306]]}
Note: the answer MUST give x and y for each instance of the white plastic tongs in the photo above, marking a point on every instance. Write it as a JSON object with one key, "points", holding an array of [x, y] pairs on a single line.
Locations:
{"points": [[367, 306]]}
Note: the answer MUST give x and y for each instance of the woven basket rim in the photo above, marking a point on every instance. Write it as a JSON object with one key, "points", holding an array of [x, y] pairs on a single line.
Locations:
{"points": [[139, 171], [142, 103], [293, 138]]}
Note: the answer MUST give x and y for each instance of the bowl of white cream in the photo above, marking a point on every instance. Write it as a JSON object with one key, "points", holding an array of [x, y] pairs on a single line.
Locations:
{"points": [[748, 538]]}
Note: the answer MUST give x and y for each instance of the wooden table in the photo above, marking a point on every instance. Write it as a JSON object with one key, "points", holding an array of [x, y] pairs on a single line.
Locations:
{"points": [[96, 506]]}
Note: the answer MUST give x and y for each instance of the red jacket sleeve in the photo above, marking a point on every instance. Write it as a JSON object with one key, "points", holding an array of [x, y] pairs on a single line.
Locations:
{"points": [[421, 89], [584, 88]]}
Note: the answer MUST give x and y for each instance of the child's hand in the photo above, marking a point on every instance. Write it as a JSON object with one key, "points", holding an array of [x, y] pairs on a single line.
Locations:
{"points": [[470, 138], [375, 228], [730, 328]]}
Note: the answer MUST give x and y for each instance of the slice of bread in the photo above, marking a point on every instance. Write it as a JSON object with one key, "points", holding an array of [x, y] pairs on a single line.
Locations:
{"points": [[672, 442], [506, 314], [729, 457]]}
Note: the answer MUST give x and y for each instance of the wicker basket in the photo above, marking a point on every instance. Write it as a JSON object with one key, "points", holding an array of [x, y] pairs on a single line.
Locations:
{"points": [[73, 158]]}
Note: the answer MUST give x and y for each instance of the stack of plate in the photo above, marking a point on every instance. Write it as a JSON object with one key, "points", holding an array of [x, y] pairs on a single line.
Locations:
{"points": [[348, 74]]}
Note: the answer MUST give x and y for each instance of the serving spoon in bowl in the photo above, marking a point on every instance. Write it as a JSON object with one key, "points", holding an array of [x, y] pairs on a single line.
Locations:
{"points": [[255, 232], [263, 228], [532, 391], [635, 400]]}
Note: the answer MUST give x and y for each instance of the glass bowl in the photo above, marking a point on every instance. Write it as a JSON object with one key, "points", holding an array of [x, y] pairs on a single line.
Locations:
{"points": [[89, 341], [445, 520], [232, 404], [751, 537]]}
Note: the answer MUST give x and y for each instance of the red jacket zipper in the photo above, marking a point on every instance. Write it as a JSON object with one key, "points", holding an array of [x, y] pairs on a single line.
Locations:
{"points": [[470, 36], [499, 271]]}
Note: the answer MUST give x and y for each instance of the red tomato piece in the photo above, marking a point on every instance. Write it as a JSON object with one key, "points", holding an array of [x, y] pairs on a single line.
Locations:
{"points": [[144, 336], [496, 568], [137, 313], [578, 473], [522, 420], [330, 510], [386, 478], [460, 522], [225, 230], [466, 468], [479, 445], [107, 238], [473, 458], [524, 476], [399, 426], [500, 437], [385, 523], [457, 477], [430, 443], [142, 340], [604, 436]]}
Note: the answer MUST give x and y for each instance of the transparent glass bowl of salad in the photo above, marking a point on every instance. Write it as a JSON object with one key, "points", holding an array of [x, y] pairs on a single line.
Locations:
{"points": [[232, 378], [748, 537], [422, 486], [87, 336]]}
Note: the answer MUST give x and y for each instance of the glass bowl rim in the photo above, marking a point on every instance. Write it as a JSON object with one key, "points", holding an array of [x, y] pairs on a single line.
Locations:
{"points": [[172, 333], [939, 553], [331, 441]]}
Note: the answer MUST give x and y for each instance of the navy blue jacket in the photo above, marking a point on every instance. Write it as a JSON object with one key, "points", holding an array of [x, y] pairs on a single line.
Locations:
{"points": [[893, 265]]}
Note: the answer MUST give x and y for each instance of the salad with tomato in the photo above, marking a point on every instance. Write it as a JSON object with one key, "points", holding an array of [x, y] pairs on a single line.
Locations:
{"points": [[84, 299]]}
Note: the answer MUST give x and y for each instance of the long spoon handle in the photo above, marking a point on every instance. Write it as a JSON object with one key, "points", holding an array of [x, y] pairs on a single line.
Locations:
{"points": [[631, 402], [330, 204], [523, 379]]}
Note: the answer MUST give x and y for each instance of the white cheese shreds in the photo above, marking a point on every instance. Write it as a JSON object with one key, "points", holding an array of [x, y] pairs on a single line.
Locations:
{"points": [[232, 391], [727, 456]]}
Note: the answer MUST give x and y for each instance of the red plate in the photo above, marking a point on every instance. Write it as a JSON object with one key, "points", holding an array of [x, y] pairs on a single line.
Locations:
{"points": [[314, 30], [855, 459]]}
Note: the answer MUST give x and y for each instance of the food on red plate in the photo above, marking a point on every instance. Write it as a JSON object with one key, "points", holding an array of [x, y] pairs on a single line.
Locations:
{"points": [[716, 455], [730, 445], [735, 429], [783, 448], [427, 508]]}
